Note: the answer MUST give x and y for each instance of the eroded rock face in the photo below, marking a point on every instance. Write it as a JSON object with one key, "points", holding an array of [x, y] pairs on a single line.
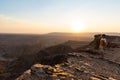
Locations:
{"points": [[3, 73], [49, 56], [53, 55]]}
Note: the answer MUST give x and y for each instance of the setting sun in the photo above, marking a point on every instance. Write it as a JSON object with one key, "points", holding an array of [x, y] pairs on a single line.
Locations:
{"points": [[77, 27]]}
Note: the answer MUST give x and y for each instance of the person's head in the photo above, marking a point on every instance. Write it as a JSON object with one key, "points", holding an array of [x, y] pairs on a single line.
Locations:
{"points": [[103, 35]]}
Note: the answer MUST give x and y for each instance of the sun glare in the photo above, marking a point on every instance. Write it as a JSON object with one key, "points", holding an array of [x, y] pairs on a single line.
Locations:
{"points": [[77, 27]]}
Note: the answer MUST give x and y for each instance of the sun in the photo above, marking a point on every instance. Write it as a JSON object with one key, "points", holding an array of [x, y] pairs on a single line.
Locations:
{"points": [[77, 27]]}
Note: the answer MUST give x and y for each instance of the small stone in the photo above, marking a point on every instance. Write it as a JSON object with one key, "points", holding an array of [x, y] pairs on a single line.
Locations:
{"points": [[94, 78], [110, 78]]}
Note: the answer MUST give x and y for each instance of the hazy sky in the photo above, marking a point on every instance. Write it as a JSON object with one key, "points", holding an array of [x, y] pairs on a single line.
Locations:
{"points": [[44, 16]]}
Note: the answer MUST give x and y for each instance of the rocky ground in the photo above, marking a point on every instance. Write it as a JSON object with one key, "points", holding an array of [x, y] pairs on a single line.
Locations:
{"points": [[63, 62], [79, 66]]}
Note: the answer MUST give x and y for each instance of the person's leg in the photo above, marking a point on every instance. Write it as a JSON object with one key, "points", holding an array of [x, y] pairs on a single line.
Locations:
{"points": [[101, 51]]}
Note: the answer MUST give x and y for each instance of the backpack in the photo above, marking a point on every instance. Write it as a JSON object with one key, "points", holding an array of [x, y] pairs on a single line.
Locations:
{"points": [[102, 42]]}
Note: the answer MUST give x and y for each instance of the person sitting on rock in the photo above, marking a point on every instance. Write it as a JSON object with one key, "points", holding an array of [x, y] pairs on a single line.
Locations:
{"points": [[103, 44]]}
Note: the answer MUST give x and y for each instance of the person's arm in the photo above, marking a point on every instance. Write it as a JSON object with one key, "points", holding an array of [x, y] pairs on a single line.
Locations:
{"points": [[105, 42]]}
